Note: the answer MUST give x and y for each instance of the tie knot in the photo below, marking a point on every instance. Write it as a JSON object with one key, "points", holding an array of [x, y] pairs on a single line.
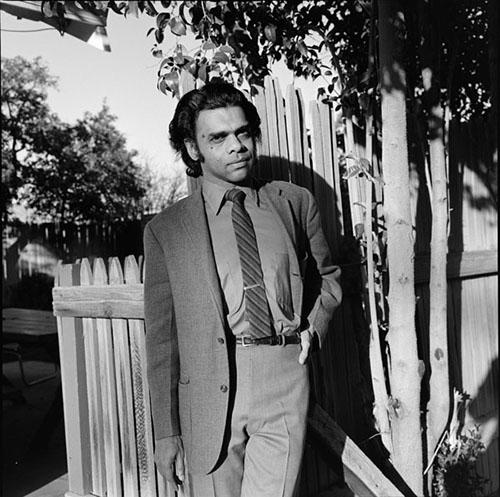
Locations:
{"points": [[235, 195]]}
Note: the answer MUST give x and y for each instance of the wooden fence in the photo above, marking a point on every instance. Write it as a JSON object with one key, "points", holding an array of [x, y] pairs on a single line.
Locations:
{"points": [[109, 432], [34, 249], [316, 158]]}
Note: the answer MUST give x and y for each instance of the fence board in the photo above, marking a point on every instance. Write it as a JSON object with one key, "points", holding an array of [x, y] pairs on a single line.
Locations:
{"points": [[94, 392], [142, 409], [281, 129], [74, 388], [264, 164], [108, 391], [124, 392]]}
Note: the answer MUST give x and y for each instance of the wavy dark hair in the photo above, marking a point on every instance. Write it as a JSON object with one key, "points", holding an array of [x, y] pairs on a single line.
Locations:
{"points": [[214, 95]]}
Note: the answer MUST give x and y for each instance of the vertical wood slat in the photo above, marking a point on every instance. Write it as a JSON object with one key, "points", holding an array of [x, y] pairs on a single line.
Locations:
{"points": [[272, 127], [292, 119], [108, 391], [307, 178], [264, 165], [281, 129], [94, 393], [142, 408], [124, 392], [74, 388]]}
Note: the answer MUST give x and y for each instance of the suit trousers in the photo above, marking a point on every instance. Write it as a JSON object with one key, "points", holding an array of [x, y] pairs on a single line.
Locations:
{"points": [[263, 454]]}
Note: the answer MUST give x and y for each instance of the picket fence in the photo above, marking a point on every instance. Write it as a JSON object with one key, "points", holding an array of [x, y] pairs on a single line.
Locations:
{"points": [[316, 158], [109, 432]]}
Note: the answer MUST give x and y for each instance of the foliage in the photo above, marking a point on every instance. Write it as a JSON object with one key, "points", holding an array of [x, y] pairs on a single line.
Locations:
{"points": [[85, 173], [335, 41], [24, 114], [163, 190], [455, 474], [80, 172]]}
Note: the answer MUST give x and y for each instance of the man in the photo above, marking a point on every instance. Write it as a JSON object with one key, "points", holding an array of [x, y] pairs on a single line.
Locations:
{"points": [[238, 280]]}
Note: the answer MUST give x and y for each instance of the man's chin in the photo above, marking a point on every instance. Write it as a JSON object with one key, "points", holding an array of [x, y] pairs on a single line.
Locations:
{"points": [[240, 174]]}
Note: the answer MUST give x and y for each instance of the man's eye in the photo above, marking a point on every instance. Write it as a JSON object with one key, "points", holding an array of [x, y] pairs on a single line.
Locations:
{"points": [[217, 139], [244, 134]]}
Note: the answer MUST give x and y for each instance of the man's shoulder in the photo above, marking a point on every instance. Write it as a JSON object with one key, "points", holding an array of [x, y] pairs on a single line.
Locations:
{"points": [[289, 190], [170, 214]]}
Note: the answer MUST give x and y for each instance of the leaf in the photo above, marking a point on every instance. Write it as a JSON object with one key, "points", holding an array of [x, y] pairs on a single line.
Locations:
{"points": [[159, 36], [221, 57], [227, 49], [301, 47], [162, 19], [156, 52], [270, 32], [177, 26], [150, 30], [209, 45], [210, 5]]}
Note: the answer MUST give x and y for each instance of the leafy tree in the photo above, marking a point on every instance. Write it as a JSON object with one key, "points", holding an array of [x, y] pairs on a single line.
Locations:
{"points": [[85, 172], [24, 114], [76, 173]]}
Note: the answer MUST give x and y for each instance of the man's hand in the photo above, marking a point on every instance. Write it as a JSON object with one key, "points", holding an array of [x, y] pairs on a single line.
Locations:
{"points": [[169, 457], [305, 343]]}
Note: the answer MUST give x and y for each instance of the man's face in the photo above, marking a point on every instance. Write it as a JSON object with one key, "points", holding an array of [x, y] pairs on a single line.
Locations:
{"points": [[224, 144]]}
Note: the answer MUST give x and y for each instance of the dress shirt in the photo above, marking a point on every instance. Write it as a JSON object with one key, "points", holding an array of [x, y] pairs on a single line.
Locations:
{"points": [[273, 251]]}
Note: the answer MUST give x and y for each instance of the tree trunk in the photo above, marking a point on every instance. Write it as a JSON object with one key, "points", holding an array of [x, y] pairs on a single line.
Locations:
{"points": [[381, 402], [404, 366], [438, 408]]}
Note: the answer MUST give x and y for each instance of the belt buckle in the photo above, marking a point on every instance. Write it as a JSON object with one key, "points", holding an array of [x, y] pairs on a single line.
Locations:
{"points": [[243, 344], [280, 340]]}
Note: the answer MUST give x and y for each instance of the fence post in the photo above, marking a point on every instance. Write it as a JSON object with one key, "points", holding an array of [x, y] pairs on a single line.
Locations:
{"points": [[74, 387]]}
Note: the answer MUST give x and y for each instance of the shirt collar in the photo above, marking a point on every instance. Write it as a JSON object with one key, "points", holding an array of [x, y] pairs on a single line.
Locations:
{"points": [[214, 190]]}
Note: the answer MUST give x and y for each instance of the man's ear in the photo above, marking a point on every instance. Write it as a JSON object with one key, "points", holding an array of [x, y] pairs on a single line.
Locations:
{"points": [[192, 149]]}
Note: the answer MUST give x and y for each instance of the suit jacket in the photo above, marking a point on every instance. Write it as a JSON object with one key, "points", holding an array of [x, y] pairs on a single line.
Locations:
{"points": [[186, 344]]}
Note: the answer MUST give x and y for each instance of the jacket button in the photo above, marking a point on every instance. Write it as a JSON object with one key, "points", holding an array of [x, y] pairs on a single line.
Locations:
{"points": [[223, 388], [220, 340]]}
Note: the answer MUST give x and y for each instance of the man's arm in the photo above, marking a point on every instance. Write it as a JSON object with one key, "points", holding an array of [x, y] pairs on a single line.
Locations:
{"points": [[162, 359], [330, 293]]}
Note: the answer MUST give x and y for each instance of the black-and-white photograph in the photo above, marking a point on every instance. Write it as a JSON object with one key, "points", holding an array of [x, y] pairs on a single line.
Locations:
{"points": [[249, 248]]}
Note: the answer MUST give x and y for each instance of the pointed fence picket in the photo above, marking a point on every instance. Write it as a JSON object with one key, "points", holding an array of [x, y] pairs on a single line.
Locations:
{"points": [[106, 397]]}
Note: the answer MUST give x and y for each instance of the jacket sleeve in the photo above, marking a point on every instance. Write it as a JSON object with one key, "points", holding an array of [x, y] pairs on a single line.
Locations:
{"points": [[162, 351], [329, 293]]}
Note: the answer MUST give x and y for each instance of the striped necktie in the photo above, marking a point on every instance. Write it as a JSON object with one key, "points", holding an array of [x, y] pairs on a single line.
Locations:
{"points": [[256, 306]]}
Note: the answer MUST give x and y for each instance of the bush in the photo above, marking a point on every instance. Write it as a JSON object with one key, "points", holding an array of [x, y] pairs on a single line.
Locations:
{"points": [[455, 473]]}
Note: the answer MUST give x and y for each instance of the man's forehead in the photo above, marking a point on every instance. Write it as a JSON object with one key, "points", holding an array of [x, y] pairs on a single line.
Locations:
{"points": [[221, 119]]}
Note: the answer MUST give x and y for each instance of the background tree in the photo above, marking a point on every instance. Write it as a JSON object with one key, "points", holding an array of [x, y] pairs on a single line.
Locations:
{"points": [[164, 190], [25, 113], [64, 172]]}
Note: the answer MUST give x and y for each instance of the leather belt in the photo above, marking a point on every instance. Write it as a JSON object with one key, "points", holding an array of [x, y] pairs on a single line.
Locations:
{"points": [[246, 341]]}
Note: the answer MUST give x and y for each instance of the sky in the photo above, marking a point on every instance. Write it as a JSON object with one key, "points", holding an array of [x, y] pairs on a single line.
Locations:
{"points": [[125, 78]]}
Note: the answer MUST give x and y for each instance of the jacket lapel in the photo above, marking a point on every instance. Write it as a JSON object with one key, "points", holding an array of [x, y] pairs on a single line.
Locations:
{"points": [[196, 225]]}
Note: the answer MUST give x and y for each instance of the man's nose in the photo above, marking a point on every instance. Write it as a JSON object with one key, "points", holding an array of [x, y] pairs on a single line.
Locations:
{"points": [[235, 144]]}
